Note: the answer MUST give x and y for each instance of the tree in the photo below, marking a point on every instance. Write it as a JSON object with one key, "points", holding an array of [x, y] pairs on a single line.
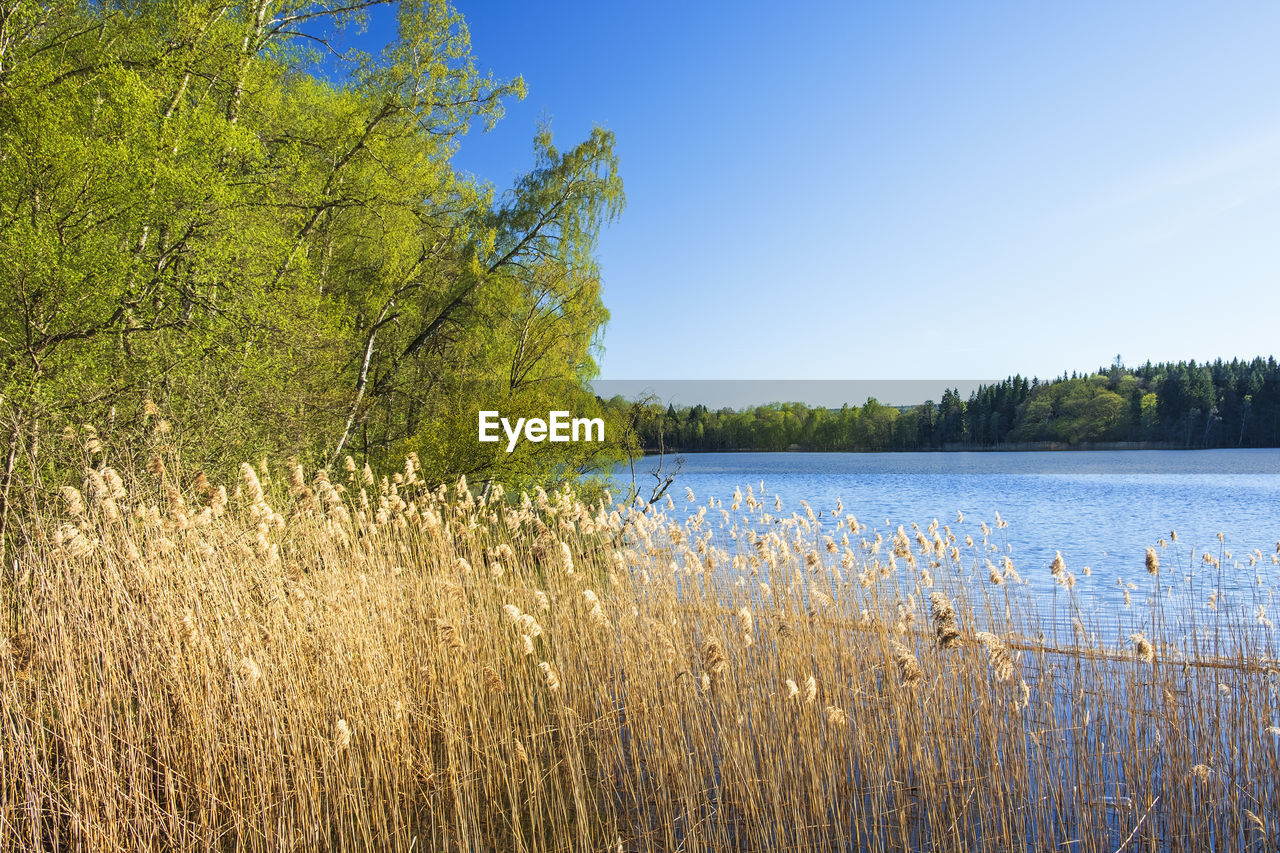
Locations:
{"points": [[197, 221]]}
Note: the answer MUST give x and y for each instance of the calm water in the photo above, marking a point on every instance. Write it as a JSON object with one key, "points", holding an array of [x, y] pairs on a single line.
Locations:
{"points": [[1099, 508]]}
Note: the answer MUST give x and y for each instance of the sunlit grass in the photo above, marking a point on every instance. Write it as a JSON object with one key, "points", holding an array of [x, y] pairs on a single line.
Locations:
{"points": [[295, 663]]}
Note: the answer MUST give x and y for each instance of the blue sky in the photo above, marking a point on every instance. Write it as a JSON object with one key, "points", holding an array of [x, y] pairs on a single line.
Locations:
{"points": [[920, 191]]}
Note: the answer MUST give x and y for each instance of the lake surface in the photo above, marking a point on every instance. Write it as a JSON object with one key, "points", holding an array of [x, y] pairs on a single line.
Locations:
{"points": [[1101, 509]]}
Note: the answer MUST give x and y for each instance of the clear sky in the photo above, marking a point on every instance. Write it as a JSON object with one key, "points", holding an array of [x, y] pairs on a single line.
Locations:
{"points": [[859, 190]]}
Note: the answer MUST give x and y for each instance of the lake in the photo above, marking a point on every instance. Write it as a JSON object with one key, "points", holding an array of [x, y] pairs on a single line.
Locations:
{"points": [[1100, 509]]}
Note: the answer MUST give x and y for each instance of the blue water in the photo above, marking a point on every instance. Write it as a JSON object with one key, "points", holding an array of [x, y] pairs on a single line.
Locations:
{"points": [[1101, 509]]}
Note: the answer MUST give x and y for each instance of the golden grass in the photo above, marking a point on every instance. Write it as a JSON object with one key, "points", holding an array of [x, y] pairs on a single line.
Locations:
{"points": [[311, 665]]}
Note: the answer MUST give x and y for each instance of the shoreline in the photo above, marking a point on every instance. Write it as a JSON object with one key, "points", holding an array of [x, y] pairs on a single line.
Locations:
{"points": [[1019, 447]]}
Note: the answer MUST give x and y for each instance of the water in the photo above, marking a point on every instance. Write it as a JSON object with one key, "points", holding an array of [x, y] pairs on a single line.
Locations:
{"points": [[1100, 509]]}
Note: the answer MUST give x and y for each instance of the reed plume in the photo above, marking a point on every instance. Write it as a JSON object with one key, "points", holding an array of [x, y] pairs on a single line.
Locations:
{"points": [[908, 666], [1002, 662], [945, 628], [325, 666]]}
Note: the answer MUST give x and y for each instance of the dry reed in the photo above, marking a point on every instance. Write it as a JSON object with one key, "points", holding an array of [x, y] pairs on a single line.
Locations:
{"points": [[301, 665]]}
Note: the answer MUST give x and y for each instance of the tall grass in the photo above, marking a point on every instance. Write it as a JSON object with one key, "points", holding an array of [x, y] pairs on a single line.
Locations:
{"points": [[287, 662]]}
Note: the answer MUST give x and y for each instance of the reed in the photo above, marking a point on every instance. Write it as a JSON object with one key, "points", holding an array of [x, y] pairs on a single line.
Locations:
{"points": [[287, 662]]}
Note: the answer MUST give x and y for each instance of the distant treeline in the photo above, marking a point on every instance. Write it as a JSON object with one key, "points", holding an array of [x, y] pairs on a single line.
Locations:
{"points": [[1184, 404]]}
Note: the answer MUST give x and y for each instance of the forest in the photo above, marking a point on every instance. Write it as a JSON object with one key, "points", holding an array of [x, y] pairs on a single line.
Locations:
{"points": [[225, 231], [1182, 405]]}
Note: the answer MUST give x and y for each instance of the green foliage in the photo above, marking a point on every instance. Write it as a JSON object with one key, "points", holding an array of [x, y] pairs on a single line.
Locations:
{"points": [[1223, 404], [1073, 411], [192, 216]]}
